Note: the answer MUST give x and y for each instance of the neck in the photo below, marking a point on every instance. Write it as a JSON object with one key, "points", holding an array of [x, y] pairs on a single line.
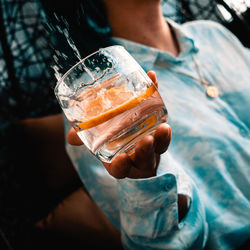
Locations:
{"points": [[142, 22]]}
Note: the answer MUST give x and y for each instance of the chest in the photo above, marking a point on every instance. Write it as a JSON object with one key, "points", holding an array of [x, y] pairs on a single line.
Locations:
{"points": [[185, 95], [202, 124]]}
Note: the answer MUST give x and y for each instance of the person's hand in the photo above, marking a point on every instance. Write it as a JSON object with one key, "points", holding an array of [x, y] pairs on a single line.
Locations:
{"points": [[143, 161]]}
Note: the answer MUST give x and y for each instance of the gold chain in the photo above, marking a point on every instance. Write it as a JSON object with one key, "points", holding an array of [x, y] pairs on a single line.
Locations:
{"points": [[211, 91]]}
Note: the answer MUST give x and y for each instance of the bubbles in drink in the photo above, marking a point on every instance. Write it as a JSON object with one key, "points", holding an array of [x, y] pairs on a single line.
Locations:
{"points": [[111, 117], [110, 101]]}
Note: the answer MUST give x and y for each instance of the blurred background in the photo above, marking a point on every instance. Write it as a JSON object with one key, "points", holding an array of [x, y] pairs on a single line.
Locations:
{"points": [[28, 190], [234, 14]]}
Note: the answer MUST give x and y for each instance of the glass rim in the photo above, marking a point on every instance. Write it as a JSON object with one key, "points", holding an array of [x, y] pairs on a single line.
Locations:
{"points": [[83, 59]]}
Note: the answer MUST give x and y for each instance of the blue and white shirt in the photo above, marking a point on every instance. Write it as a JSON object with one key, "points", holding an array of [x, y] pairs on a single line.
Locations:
{"points": [[209, 156]]}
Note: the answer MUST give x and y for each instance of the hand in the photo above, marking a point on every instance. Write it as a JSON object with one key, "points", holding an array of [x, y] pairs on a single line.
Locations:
{"points": [[143, 161]]}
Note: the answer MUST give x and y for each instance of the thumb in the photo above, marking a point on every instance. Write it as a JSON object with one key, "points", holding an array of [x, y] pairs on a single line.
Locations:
{"points": [[152, 75], [73, 138]]}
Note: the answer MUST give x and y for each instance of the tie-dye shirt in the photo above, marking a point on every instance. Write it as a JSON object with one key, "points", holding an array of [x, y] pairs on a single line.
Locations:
{"points": [[209, 156]]}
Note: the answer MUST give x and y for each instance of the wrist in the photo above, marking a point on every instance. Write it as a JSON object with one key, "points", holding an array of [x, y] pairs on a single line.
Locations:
{"points": [[183, 205]]}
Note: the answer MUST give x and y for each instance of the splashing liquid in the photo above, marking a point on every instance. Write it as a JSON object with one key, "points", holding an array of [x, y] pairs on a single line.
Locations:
{"points": [[78, 29]]}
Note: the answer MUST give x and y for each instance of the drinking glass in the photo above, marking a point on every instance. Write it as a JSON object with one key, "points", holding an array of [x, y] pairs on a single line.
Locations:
{"points": [[110, 101]]}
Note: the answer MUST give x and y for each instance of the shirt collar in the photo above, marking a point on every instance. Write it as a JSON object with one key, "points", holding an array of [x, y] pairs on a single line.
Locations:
{"points": [[147, 56]]}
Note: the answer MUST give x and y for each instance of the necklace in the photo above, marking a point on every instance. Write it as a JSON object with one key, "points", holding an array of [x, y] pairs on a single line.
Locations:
{"points": [[211, 91]]}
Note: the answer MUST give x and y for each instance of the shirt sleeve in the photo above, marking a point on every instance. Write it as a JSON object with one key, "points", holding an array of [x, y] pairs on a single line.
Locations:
{"points": [[149, 213]]}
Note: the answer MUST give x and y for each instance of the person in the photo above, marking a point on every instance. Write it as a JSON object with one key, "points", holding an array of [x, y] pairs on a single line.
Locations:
{"points": [[197, 195]]}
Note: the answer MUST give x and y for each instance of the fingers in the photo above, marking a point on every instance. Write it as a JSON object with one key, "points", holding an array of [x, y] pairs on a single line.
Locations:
{"points": [[162, 136], [144, 153], [151, 74], [141, 166], [73, 138], [120, 166], [143, 161]]}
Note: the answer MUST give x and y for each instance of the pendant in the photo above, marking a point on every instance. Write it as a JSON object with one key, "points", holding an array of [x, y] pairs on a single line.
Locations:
{"points": [[212, 91]]}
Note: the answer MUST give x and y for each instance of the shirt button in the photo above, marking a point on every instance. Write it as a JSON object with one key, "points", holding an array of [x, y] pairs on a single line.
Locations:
{"points": [[168, 186], [170, 182]]}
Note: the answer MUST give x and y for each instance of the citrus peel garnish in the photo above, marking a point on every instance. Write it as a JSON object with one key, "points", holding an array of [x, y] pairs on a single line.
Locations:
{"points": [[106, 115]]}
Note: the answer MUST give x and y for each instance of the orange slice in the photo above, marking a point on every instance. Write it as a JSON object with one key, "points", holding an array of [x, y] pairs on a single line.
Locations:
{"points": [[110, 113]]}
